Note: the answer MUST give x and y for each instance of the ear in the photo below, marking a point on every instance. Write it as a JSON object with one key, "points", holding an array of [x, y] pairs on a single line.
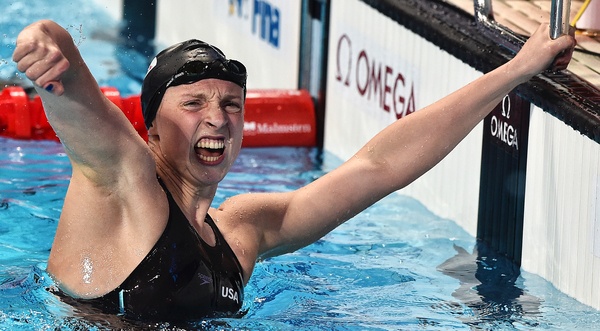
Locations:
{"points": [[152, 133]]}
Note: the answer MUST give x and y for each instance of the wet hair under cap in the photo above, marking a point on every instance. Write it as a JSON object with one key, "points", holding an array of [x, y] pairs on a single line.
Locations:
{"points": [[184, 63]]}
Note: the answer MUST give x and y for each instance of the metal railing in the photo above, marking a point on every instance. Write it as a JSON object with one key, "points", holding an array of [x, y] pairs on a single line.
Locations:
{"points": [[559, 16]]}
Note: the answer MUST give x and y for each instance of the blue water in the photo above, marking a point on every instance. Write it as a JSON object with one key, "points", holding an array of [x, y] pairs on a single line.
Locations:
{"points": [[93, 30], [395, 266]]}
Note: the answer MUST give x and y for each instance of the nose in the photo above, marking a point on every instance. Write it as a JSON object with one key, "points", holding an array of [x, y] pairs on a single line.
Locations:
{"points": [[216, 117]]}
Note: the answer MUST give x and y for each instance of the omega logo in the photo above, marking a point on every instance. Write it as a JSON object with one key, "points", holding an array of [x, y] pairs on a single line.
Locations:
{"points": [[502, 129], [374, 80]]}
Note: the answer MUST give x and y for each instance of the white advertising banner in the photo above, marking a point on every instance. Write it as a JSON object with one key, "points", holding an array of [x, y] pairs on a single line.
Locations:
{"points": [[369, 85], [262, 34], [379, 72]]}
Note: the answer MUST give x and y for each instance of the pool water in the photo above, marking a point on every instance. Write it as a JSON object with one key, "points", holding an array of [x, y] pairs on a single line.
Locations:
{"points": [[396, 266]]}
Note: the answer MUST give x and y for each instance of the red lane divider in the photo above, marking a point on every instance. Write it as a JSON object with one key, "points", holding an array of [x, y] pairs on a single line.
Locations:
{"points": [[272, 118], [279, 118], [131, 107]]}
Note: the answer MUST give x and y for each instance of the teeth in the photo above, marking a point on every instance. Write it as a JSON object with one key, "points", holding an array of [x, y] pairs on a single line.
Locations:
{"points": [[211, 144], [209, 158]]}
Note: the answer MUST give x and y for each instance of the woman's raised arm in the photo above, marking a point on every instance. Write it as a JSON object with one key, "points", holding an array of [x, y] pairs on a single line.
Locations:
{"points": [[406, 149], [96, 134]]}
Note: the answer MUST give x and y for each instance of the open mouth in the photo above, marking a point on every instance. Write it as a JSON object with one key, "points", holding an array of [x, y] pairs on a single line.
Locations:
{"points": [[210, 150]]}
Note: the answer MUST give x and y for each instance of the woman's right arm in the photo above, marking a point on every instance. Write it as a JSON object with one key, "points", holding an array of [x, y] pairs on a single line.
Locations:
{"points": [[112, 212], [96, 134]]}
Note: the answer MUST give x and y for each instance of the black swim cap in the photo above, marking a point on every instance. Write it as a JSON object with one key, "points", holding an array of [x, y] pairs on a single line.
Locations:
{"points": [[184, 63]]}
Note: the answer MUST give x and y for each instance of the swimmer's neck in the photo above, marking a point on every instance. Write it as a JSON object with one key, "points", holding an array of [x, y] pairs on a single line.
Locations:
{"points": [[193, 200]]}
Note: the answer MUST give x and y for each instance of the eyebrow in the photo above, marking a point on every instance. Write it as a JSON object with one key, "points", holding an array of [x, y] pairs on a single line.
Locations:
{"points": [[204, 95], [197, 95]]}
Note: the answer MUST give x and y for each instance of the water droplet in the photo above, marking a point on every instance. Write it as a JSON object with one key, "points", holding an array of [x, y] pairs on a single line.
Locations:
{"points": [[87, 269]]}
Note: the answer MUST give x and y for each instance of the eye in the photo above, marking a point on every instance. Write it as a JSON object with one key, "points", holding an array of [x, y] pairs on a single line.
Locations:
{"points": [[192, 104], [232, 107]]}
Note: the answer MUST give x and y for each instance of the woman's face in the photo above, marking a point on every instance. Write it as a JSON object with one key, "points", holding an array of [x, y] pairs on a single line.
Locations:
{"points": [[199, 128]]}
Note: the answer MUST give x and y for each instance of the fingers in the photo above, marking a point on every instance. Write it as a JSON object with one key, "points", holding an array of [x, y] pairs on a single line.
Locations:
{"points": [[54, 87], [559, 64], [566, 44], [544, 53], [40, 59], [562, 61]]}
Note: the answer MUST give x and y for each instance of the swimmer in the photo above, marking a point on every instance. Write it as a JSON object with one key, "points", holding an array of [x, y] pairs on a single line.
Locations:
{"points": [[137, 235]]}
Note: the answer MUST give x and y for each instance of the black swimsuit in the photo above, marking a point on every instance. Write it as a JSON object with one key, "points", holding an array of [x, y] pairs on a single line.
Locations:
{"points": [[182, 277]]}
